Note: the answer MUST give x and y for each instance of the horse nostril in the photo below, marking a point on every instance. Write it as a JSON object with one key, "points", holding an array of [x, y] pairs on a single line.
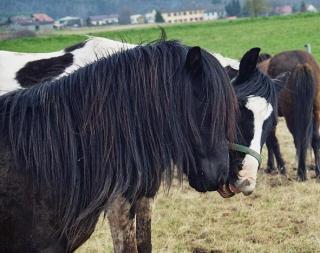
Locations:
{"points": [[246, 183]]}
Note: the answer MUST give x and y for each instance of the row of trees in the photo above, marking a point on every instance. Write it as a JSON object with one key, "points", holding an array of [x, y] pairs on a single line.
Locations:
{"points": [[250, 7]]}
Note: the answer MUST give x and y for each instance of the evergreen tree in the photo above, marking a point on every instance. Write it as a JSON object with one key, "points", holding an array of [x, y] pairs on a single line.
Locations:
{"points": [[159, 18], [124, 17], [233, 8]]}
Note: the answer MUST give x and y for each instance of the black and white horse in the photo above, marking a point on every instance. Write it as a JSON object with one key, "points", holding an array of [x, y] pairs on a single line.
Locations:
{"points": [[23, 70], [116, 127], [257, 98]]}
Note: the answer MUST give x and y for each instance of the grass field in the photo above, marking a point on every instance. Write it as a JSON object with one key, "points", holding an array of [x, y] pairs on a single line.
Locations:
{"points": [[282, 215], [231, 38]]}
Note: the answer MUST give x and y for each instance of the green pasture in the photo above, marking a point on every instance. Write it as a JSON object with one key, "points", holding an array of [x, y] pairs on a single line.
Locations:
{"points": [[231, 38]]}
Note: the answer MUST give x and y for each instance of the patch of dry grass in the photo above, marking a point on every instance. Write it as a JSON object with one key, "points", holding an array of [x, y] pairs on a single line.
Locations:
{"points": [[281, 216]]}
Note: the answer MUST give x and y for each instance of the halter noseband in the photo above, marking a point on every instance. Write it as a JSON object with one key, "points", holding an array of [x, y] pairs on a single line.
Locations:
{"points": [[246, 150]]}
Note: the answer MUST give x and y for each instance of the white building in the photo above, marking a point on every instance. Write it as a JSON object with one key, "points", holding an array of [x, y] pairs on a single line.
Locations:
{"points": [[311, 8], [137, 19], [103, 20], [151, 17], [183, 16], [68, 22], [210, 16]]}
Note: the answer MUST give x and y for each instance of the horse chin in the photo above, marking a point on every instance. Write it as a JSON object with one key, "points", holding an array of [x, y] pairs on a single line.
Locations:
{"points": [[197, 185], [227, 191]]}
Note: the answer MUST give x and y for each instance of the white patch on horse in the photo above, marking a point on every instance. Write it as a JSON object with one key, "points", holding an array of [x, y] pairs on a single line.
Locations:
{"points": [[94, 49], [225, 61], [12, 62], [261, 110]]}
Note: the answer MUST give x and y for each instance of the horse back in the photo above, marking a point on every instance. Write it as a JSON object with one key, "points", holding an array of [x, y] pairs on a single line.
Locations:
{"points": [[290, 61]]}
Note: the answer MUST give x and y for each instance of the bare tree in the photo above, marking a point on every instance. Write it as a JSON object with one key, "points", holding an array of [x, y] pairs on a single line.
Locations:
{"points": [[256, 7]]}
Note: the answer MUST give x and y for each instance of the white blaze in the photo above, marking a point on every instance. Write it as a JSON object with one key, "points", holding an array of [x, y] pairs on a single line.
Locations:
{"points": [[261, 110]]}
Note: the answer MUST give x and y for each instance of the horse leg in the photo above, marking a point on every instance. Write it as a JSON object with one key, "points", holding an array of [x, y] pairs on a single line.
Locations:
{"points": [[316, 150], [270, 164], [121, 216], [274, 147], [302, 172], [280, 162], [143, 220]]}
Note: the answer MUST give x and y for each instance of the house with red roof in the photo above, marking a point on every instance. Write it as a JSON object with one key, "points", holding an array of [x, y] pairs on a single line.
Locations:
{"points": [[43, 21], [35, 22], [283, 10]]}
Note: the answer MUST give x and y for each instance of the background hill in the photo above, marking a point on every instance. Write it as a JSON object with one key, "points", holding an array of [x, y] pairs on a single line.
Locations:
{"points": [[84, 8]]}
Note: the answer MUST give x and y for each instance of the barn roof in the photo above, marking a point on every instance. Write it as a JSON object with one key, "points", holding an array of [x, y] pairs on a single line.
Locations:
{"points": [[22, 20], [103, 17], [42, 18]]}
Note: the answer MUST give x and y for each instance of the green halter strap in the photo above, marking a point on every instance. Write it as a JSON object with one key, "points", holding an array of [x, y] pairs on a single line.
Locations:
{"points": [[246, 150]]}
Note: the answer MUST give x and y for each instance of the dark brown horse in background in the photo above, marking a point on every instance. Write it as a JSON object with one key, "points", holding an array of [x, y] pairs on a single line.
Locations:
{"points": [[299, 104]]}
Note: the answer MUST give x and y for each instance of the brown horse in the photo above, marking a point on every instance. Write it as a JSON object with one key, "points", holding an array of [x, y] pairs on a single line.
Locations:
{"points": [[299, 104]]}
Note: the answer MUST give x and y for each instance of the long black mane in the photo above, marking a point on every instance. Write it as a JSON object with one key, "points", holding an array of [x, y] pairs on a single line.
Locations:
{"points": [[115, 126]]}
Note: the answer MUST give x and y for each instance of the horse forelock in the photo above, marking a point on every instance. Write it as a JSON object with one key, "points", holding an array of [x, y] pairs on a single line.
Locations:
{"points": [[113, 127], [223, 105]]}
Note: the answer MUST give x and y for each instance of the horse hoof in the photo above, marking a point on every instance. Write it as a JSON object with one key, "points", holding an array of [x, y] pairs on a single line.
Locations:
{"points": [[302, 178], [283, 171]]}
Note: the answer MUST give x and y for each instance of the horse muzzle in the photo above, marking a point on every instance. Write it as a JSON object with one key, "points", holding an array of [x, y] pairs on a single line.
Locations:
{"points": [[247, 177]]}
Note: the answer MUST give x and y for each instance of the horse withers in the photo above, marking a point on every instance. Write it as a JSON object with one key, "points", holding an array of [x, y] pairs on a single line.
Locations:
{"points": [[116, 127], [299, 104]]}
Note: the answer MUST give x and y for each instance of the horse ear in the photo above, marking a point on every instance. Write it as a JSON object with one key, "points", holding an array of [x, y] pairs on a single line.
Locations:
{"points": [[194, 60], [248, 64], [281, 80]]}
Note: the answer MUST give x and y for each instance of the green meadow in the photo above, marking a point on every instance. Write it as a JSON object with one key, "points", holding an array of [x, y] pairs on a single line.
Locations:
{"points": [[282, 215], [231, 38]]}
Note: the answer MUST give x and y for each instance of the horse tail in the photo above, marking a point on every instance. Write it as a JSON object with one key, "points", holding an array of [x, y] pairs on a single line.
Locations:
{"points": [[304, 93]]}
